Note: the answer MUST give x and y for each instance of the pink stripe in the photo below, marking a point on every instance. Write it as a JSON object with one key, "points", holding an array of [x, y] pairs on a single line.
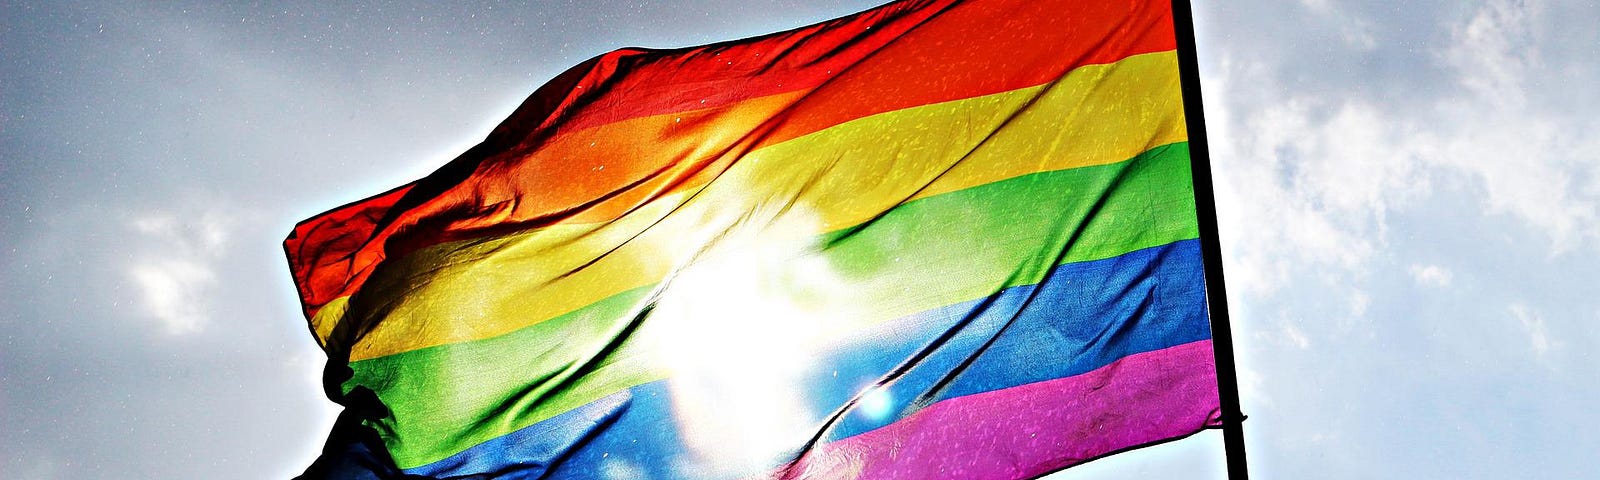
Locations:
{"points": [[1026, 431]]}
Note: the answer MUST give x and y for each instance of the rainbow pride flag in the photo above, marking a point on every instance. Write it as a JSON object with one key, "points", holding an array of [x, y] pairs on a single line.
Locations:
{"points": [[936, 239]]}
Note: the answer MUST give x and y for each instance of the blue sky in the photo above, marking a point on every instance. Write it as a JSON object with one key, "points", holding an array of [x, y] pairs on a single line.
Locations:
{"points": [[1408, 196]]}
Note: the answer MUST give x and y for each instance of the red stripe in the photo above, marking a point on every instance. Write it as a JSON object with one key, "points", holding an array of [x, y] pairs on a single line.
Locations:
{"points": [[634, 82], [323, 251], [526, 174]]}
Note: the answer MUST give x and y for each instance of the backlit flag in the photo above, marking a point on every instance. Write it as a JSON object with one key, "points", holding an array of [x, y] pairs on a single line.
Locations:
{"points": [[935, 239]]}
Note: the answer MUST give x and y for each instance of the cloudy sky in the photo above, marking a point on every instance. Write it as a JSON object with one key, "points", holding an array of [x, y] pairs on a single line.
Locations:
{"points": [[1408, 194]]}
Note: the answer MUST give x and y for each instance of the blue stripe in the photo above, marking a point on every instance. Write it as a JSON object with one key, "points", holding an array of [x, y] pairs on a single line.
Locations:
{"points": [[1082, 317]]}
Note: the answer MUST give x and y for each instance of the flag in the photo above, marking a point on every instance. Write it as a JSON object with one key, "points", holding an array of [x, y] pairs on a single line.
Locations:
{"points": [[935, 239]]}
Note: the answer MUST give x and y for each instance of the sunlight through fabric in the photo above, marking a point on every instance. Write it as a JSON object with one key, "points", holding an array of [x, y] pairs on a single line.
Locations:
{"points": [[736, 338], [935, 239]]}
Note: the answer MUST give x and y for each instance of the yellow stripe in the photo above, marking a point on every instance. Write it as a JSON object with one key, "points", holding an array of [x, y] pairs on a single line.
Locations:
{"points": [[327, 317], [828, 180]]}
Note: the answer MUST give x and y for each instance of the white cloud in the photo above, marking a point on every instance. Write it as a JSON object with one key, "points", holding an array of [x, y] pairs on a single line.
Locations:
{"points": [[1284, 333], [1492, 51], [1354, 30], [1308, 184], [1360, 301], [206, 233], [1533, 325], [174, 291], [1306, 181], [1431, 275], [1295, 336], [1527, 162], [1463, 145], [176, 274]]}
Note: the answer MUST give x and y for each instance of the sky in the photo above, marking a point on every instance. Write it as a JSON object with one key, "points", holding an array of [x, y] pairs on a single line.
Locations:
{"points": [[1408, 196]]}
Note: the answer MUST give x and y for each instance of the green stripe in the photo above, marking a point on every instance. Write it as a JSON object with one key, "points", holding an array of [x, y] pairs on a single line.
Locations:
{"points": [[919, 256]]}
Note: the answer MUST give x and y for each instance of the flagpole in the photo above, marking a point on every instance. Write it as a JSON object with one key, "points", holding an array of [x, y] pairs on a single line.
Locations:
{"points": [[1206, 211]]}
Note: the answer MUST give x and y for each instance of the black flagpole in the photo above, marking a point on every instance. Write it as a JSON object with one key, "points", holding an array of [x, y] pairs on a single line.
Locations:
{"points": [[1206, 210]]}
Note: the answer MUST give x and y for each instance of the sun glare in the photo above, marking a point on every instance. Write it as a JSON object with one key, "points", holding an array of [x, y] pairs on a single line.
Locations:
{"points": [[737, 334]]}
